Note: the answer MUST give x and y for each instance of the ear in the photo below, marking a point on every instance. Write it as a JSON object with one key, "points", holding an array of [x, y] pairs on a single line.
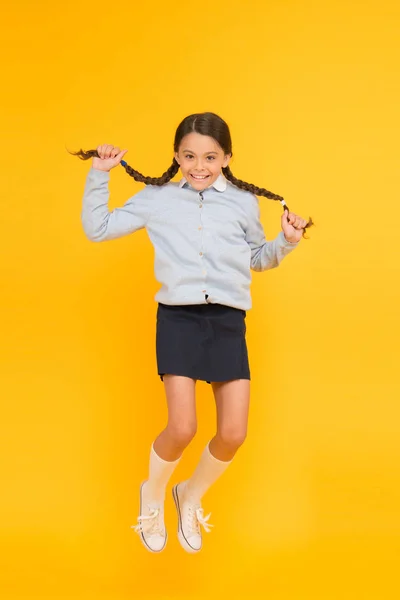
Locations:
{"points": [[227, 158], [176, 158]]}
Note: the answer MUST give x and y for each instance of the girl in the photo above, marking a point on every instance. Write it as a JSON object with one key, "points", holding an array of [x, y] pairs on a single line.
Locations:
{"points": [[207, 235]]}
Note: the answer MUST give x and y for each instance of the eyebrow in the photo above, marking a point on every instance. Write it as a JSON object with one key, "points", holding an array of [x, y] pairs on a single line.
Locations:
{"points": [[191, 151]]}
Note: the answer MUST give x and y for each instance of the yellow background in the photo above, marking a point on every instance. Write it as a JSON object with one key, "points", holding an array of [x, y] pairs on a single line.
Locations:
{"points": [[310, 507]]}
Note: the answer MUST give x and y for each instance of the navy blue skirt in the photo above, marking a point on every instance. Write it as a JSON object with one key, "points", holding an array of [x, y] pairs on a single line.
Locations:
{"points": [[205, 342]]}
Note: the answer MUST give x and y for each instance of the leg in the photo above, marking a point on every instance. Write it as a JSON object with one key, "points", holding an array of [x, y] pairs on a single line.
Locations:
{"points": [[164, 458], [182, 421], [180, 430], [232, 401]]}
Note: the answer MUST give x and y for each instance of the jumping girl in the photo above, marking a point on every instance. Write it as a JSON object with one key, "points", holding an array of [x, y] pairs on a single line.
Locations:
{"points": [[207, 236]]}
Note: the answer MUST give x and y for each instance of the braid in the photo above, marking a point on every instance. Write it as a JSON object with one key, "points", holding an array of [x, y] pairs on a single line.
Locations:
{"points": [[174, 168], [249, 187], [165, 177], [257, 191]]}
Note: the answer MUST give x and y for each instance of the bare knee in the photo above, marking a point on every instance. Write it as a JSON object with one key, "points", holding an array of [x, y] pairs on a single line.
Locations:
{"points": [[232, 437], [182, 433]]}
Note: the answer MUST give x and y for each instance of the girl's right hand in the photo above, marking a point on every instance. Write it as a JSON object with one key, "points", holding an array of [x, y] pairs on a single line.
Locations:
{"points": [[110, 157]]}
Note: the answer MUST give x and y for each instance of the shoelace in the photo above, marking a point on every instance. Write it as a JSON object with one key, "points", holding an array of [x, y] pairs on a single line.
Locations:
{"points": [[149, 523], [197, 518]]}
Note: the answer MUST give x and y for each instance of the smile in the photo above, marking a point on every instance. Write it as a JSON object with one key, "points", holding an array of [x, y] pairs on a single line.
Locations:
{"points": [[199, 177]]}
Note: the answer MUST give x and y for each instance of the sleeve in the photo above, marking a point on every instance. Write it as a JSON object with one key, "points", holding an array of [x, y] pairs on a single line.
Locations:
{"points": [[264, 254], [98, 223]]}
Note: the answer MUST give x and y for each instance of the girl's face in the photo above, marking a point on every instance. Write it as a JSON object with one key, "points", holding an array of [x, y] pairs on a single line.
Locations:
{"points": [[201, 159]]}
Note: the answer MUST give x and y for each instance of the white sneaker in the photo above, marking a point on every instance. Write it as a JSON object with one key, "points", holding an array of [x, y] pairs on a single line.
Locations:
{"points": [[150, 525], [190, 517]]}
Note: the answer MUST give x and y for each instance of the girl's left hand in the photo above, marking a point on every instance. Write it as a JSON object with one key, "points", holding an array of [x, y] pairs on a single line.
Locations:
{"points": [[292, 226]]}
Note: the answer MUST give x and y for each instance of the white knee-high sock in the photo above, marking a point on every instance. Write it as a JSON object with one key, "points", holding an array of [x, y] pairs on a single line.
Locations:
{"points": [[160, 472], [208, 470]]}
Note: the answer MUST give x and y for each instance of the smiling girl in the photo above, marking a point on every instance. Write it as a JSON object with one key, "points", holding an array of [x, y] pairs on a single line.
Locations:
{"points": [[207, 238]]}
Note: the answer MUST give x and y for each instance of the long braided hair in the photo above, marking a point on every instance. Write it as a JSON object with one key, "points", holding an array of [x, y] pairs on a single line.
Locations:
{"points": [[209, 124]]}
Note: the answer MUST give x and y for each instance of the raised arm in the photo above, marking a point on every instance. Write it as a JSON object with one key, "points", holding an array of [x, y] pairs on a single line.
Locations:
{"points": [[99, 224], [264, 254]]}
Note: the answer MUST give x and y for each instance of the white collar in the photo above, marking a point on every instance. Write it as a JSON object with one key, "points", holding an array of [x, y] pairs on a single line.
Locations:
{"points": [[219, 184]]}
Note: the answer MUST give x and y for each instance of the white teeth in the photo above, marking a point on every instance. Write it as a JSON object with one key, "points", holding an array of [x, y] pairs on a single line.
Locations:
{"points": [[199, 176]]}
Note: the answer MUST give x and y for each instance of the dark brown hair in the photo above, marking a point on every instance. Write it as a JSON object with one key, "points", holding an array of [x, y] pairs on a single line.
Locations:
{"points": [[208, 124]]}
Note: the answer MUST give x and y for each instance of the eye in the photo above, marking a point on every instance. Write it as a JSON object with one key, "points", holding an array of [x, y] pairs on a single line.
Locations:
{"points": [[211, 157], [188, 156]]}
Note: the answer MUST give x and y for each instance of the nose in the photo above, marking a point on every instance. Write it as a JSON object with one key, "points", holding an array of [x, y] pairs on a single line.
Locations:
{"points": [[199, 165]]}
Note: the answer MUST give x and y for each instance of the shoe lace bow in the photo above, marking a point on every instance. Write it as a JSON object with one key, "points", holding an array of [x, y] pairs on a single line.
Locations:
{"points": [[150, 524], [197, 518]]}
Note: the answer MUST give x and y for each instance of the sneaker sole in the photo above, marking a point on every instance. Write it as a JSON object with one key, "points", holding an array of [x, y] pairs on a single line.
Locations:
{"points": [[142, 538], [181, 537]]}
